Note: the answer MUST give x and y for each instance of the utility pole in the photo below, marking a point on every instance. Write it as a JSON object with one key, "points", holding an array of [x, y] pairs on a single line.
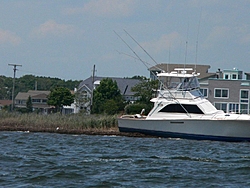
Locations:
{"points": [[13, 89], [92, 92]]}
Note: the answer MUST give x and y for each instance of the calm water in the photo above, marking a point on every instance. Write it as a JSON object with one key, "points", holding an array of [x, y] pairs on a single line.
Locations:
{"points": [[56, 160]]}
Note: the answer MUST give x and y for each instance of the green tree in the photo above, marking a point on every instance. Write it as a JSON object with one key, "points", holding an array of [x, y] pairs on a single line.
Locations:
{"points": [[29, 105], [60, 96], [107, 98], [145, 90]]}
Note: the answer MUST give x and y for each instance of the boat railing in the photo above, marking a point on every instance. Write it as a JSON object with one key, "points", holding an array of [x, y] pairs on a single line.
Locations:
{"points": [[170, 95]]}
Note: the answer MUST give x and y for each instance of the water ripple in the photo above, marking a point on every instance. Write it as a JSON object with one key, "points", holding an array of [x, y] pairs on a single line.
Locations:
{"points": [[56, 160]]}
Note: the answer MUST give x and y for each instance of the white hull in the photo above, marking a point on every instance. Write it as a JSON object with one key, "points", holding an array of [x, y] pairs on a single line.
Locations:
{"points": [[221, 130]]}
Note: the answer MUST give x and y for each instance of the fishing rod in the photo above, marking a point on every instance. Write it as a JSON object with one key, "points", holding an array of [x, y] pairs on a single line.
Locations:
{"points": [[154, 75], [139, 59], [141, 47], [131, 49]]}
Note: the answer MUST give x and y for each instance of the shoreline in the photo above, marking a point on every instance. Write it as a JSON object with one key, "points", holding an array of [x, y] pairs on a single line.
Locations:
{"points": [[63, 124], [108, 132]]}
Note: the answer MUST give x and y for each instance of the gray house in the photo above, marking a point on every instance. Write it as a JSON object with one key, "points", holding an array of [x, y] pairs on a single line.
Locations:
{"points": [[85, 88], [229, 91]]}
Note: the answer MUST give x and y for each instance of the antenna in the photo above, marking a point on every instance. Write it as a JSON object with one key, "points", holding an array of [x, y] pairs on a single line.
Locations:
{"points": [[186, 47], [196, 55], [168, 57]]}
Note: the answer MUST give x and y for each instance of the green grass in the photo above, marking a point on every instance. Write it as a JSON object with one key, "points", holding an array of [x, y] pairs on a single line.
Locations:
{"points": [[57, 122]]}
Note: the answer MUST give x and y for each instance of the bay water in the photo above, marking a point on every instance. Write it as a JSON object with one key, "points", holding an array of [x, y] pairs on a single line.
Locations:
{"points": [[64, 160]]}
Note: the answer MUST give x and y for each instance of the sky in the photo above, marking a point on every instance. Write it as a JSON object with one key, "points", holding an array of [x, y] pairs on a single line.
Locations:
{"points": [[66, 38]]}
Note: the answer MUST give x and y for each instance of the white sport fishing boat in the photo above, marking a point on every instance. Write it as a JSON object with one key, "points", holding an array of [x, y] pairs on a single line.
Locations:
{"points": [[180, 111]]}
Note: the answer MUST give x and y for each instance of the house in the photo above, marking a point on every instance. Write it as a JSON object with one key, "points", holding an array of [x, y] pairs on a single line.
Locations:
{"points": [[39, 102], [38, 98], [86, 86], [229, 91]]}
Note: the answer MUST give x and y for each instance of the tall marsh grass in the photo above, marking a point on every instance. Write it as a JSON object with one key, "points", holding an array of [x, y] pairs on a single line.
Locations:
{"points": [[57, 122]]}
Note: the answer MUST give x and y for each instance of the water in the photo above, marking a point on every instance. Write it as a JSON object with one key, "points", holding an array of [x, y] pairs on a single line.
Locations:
{"points": [[58, 160]]}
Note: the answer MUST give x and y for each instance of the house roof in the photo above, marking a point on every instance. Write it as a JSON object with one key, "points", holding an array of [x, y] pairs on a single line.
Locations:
{"points": [[124, 84], [35, 94], [202, 69], [5, 102]]}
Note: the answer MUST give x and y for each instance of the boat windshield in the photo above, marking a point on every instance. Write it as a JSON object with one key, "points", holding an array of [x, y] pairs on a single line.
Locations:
{"points": [[181, 84]]}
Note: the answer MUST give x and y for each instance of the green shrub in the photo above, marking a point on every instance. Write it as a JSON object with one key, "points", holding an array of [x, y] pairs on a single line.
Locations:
{"points": [[137, 108]]}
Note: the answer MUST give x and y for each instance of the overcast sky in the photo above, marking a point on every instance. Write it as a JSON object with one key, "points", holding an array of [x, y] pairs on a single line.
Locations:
{"points": [[65, 38]]}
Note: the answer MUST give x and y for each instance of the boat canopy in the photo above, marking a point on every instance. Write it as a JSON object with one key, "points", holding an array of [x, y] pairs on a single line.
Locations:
{"points": [[179, 80]]}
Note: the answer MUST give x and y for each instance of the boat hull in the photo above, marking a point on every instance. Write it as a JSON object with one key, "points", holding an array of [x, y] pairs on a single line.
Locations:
{"points": [[219, 130]]}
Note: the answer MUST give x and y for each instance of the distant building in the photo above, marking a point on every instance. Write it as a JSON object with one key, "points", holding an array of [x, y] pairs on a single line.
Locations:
{"points": [[39, 100], [86, 86], [229, 92]]}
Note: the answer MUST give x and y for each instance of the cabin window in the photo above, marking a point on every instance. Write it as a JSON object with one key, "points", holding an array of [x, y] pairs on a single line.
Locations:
{"points": [[204, 92], [177, 108]]}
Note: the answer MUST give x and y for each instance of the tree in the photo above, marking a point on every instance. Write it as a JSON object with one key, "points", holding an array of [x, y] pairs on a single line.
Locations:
{"points": [[60, 96], [145, 90], [107, 98], [29, 106]]}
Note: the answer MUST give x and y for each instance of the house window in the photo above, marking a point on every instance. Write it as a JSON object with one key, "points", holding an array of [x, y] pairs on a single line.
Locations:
{"points": [[234, 76], [226, 76], [36, 100], [44, 100], [244, 101], [204, 92], [234, 107], [221, 106], [221, 93]]}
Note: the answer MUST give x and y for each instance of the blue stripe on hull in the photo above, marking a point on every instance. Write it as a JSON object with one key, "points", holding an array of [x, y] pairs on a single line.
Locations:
{"points": [[183, 135]]}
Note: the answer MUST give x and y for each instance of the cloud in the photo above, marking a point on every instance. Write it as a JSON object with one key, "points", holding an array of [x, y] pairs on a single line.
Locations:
{"points": [[163, 43], [9, 37], [218, 35], [105, 8], [50, 27], [243, 33]]}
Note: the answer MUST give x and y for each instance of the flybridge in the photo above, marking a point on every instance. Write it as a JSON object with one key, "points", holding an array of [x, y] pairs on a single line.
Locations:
{"points": [[179, 72]]}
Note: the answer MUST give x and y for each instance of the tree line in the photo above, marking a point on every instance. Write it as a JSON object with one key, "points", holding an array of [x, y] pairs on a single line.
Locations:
{"points": [[31, 82], [107, 98]]}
